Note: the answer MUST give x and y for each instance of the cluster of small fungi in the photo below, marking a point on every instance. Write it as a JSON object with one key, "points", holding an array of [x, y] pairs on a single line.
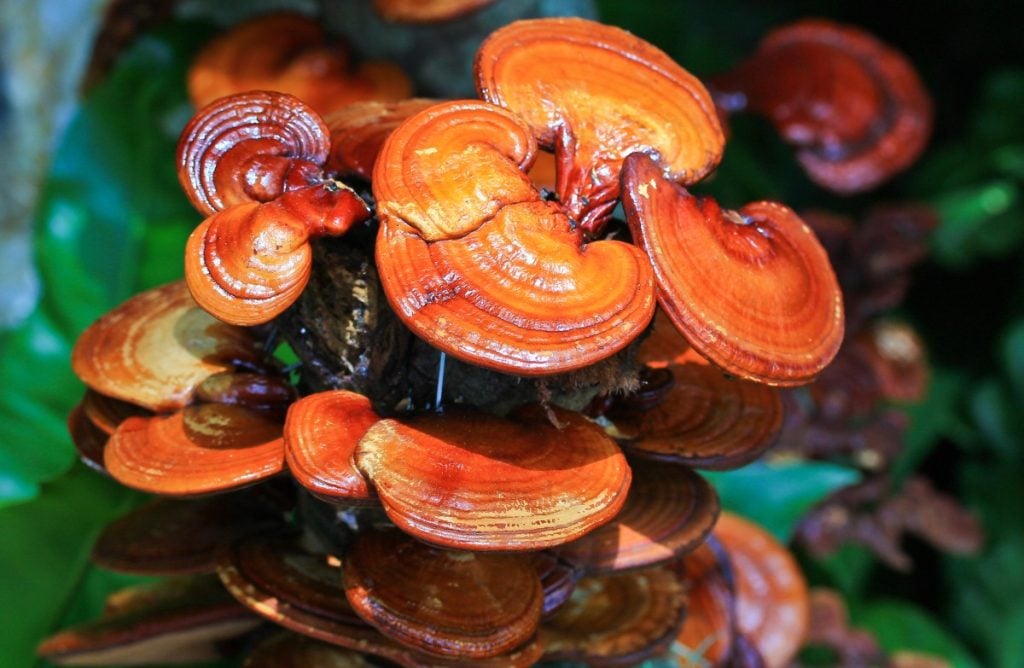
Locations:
{"points": [[486, 454]]}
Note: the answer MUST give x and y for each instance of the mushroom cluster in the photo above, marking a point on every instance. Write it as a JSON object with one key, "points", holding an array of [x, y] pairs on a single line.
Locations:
{"points": [[565, 522]]}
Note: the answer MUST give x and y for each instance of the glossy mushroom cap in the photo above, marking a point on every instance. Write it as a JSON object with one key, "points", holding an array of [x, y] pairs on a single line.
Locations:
{"points": [[198, 450], [320, 436], [476, 264], [250, 147], [772, 604], [250, 262], [478, 482], [459, 604], [617, 620], [358, 132], [710, 626], [426, 11], [157, 347], [594, 94], [853, 106], [669, 511], [705, 420], [751, 290], [289, 53]]}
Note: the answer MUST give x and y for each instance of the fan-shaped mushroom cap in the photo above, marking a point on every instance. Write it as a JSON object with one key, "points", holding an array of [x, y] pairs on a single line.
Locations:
{"points": [[250, 262], [358, 132], [772, 603], [179, 537], [107, 412], [155, 348], [706, 420], [595, 94], [289, 53], [617, 620], [198, 450], [426, 11], [250, 147], [854, 106], [479, 482], [710, 607], [181, 618], [320, 436], [460, 604], [752, 291], [90, 441], [669, 510]]}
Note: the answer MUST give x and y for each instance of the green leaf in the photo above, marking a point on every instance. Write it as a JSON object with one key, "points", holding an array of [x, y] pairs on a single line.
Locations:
{"points": [[938, 416], [44, 553], [778, 494], [978, 221], [903, 626]]}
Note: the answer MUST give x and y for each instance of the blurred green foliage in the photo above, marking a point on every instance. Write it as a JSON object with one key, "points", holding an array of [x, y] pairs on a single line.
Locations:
{"points": [[112, 221]]}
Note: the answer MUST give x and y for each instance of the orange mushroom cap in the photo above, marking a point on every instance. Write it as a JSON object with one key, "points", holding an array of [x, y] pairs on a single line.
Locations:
{"points": [[250, 147], [595, 94], [250, 262], [854, 106], [358, 132], [460, 604], [705, 420], [772, 600], [707, 634], [320, 436], [505, 284], [752, 291], [156, 348], [478, 482], [669, 511], [426, 11], [198, 450], [289, 53], [617, 620]]}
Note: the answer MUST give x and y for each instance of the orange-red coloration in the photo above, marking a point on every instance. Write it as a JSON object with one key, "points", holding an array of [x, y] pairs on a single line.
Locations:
{"points": [[772, 603], [106, 412], [250, 147], [289, 53], [617, 620], [706, 420], [777, 319], [427, 11], [458, 604], [198, 450], [154, 349], [854, 106], [670, 510], [594, 94], [710, 611], [320, 437], [358, 132], [478, 482], [250, 262]]}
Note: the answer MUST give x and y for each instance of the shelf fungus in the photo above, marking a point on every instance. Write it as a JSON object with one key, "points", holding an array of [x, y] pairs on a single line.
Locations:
{"points": [[450, 603], [189, 619], [772, 600], [476, 263], [320, 436], [253, 163], [289, 53], [594, 94], [778, 319], [669, 511], [706, 637], [473, 481], [617, 620], [853, 106], [358, 132]]}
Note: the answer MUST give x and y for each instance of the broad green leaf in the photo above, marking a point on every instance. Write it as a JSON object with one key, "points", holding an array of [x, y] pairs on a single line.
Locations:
{"points": [[778, 494], [903, 626], [44, 554], [977, 221]]}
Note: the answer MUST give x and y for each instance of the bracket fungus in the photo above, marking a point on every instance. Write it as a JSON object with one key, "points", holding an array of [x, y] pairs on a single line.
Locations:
{"points": [[474, 481], [779, 317], [854, 106], [594, 94], [358, 132], [290, 53]]}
